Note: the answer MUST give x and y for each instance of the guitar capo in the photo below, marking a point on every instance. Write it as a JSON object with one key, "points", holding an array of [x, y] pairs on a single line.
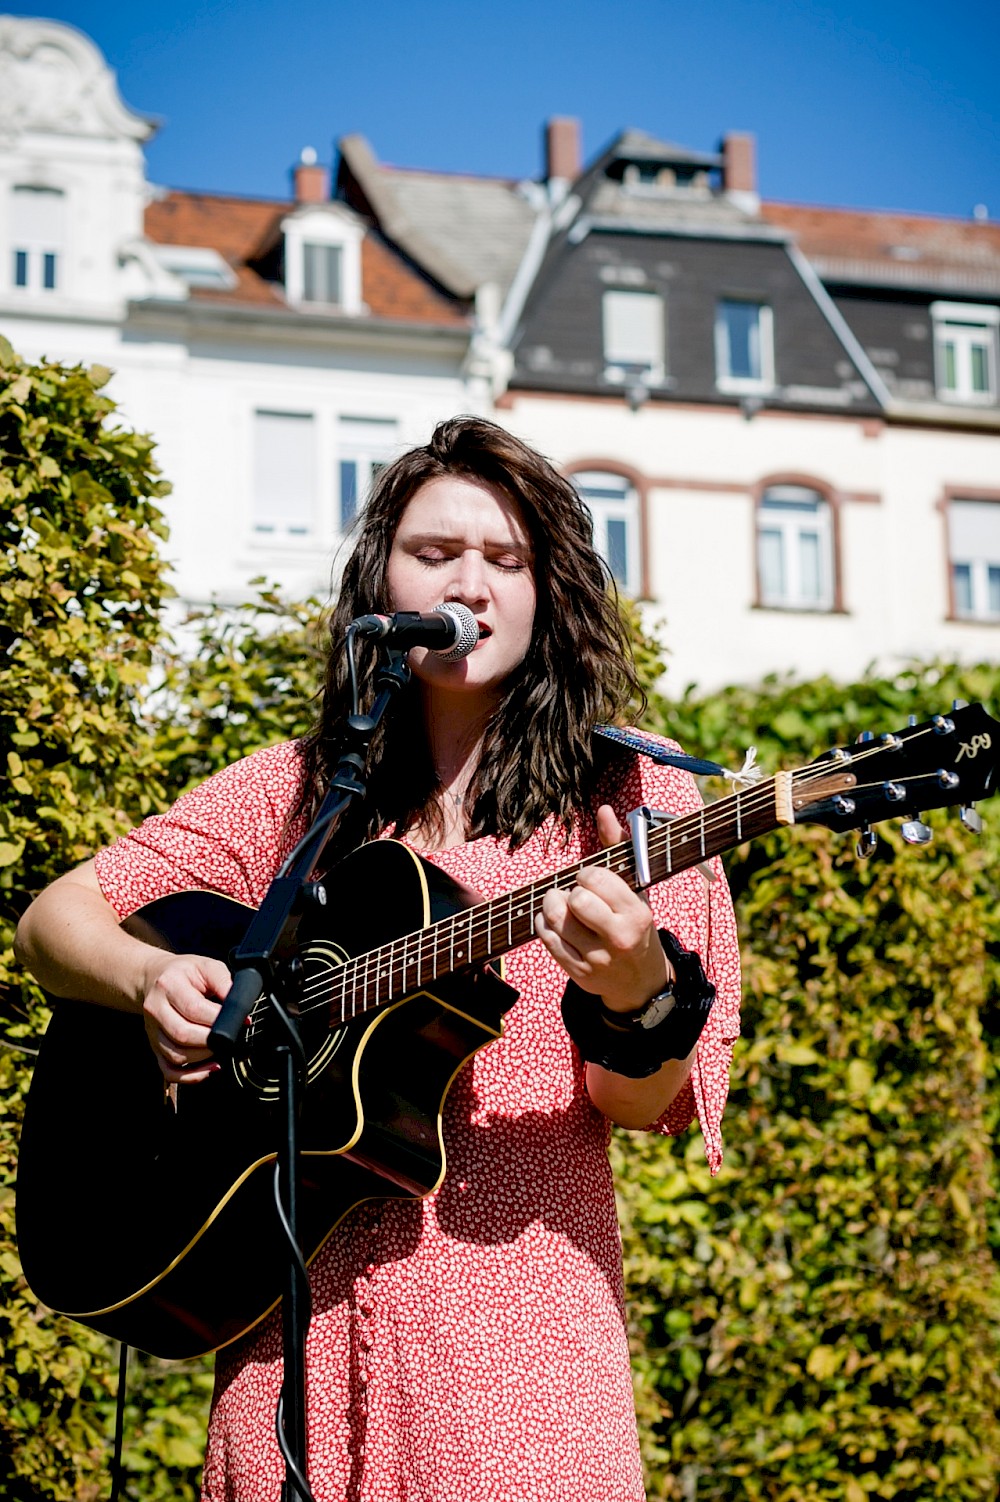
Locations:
{"points": [[640, 821]]}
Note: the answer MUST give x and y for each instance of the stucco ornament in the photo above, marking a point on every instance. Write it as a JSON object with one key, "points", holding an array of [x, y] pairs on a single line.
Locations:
{"points": [[54, 80]]}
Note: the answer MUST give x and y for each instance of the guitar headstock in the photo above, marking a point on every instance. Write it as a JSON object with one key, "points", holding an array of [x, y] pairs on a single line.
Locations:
{"points": [[948, 761]]}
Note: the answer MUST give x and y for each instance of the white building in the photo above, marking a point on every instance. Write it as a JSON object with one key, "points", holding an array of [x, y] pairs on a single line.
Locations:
{"points": [[277, 351]]}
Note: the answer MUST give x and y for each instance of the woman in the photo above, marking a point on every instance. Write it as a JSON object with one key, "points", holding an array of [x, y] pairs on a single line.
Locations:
{"points": [[471, 1345]]}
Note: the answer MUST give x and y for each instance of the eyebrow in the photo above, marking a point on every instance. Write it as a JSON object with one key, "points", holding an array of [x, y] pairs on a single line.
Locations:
{"points": [[506, 544]]}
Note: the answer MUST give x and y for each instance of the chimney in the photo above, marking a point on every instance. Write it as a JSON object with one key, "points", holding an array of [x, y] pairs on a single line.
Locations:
{"points": [[739, 168], [311, 182], [562, 149]]}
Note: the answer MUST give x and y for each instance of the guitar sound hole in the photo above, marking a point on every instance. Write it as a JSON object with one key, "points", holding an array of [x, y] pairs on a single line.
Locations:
{"points": [[257, 1070]]}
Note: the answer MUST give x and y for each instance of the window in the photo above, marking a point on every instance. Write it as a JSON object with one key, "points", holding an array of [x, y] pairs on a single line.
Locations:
{"points": [[614, 508], [965, 351], [974, 545], [196, 266], [37, 224], [365, 445], [795, 549], [322, 259], [284, 490], [321, 270], [744, 346], [633, 327]]}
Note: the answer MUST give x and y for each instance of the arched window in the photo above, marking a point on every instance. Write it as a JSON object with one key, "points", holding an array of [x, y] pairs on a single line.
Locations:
{"points": [[795, 560], [37, 238], [614, 506]]}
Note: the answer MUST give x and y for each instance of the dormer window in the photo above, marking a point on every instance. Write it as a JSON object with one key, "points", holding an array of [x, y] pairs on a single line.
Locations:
{"points": [[634, 330], [965, 352], [38, 239], [744, 346], [323, 258]]}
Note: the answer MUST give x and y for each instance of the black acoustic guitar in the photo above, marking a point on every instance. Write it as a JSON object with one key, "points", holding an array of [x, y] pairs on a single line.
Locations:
{"points": [[156, 1224]]}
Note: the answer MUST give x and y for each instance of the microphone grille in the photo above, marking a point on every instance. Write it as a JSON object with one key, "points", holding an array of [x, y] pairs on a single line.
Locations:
{"points": [[468, 631]]}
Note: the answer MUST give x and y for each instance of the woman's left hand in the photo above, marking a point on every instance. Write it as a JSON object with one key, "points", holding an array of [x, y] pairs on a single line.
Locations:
{"points": [[603, 934]]}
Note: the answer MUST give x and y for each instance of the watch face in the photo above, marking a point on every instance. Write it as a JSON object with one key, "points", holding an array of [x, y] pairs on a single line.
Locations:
{"points": [[659, 1007]]}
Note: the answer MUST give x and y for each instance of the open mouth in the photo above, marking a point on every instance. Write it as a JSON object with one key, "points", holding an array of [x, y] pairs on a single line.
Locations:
{"points": [[484, 631]]}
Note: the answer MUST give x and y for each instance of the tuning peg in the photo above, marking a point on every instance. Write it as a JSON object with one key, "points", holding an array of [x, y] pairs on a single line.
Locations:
{"points": [[867, 840], [916, 832]]}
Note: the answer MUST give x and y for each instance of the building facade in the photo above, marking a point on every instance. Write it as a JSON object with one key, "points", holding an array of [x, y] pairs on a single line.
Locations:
{"points": [[785, 420]]}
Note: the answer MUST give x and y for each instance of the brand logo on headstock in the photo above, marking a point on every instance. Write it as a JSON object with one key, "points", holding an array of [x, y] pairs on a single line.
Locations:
{"points": [[972, 748]]}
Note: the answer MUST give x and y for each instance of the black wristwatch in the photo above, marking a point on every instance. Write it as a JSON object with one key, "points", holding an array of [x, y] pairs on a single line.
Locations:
{"points": [[666, 1027]]}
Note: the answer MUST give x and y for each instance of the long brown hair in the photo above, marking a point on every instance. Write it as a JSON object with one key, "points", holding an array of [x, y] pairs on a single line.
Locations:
{"points": [[537, 756]]}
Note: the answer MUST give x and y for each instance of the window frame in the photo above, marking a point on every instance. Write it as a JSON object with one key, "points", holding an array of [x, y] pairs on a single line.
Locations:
{"points": [[980, 566], [830, 599], [41, 257], [627, 507], [724, 379], [622, 371], [369, 443], [285, 536], [967, 320]]}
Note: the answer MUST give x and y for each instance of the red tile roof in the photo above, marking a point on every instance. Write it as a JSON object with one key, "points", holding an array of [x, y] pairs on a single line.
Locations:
{"points": [[907, 249], [242, 229]]}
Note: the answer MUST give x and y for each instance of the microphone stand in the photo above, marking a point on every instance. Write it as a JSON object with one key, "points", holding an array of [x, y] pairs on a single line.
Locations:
{"points": [[267, 963]]}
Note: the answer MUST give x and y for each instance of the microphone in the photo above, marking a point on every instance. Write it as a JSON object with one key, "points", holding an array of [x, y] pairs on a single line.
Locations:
{"points": [[450, 630]]}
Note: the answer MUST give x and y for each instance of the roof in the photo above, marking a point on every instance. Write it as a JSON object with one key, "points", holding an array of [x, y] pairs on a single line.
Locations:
{"points": [[463, 230], [871, 247], [638, 146], [243, 230]]}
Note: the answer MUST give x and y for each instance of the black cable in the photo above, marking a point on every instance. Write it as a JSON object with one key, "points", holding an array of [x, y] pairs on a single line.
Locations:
{"points": [[303, 1276]]}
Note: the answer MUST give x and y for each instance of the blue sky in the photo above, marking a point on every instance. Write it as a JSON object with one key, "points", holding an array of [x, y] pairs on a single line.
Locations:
{"points": [[876, 105]]}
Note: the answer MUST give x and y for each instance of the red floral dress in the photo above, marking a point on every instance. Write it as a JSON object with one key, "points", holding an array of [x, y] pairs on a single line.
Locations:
{"points": [[469, 1347]]}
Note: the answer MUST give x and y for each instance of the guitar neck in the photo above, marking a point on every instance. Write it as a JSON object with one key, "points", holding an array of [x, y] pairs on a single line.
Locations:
{"points": [[491, 929]]}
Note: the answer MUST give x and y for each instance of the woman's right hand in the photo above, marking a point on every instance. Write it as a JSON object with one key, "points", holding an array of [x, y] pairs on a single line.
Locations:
{"points": [[182, 996]]}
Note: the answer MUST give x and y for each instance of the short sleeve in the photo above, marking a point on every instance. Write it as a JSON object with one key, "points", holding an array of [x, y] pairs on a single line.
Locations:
{"points": [[227, 835], [699, 912]]}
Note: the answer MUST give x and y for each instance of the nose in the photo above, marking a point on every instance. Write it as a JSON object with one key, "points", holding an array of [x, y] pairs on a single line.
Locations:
{"points": [[468, 582]]}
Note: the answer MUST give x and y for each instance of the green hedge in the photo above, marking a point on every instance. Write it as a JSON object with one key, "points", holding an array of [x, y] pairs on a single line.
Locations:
{"points": [[821, 1320], [81, 593]]}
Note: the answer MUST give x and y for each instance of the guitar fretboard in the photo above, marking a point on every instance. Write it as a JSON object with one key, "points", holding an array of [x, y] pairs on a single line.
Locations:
{"points": [[491, 929]]}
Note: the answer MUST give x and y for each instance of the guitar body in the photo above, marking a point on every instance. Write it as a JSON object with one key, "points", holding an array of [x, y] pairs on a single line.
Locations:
{"points": [[157, 1225]]}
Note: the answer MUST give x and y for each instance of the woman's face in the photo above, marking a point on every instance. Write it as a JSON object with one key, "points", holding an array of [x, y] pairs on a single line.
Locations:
{"points": [[463, 540]]}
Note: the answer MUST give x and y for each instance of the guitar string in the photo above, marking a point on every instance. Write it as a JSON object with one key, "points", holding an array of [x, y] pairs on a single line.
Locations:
{"points": [[480, 921]]}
